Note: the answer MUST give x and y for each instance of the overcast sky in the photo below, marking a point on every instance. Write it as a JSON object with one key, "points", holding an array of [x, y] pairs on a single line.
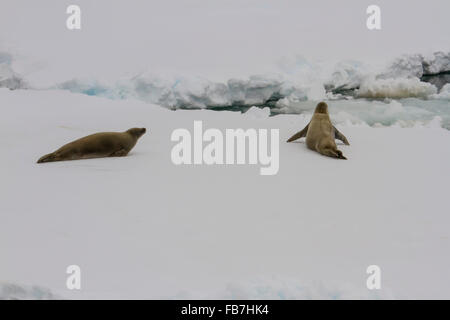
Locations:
{"points": [[208, 37]]}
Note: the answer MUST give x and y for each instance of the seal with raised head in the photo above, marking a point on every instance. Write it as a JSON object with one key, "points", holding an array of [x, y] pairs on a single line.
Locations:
{"points": [[97, 145], [320, 133]]}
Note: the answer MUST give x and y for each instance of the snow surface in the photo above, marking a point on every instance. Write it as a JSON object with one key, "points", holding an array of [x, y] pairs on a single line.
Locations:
{"points": [[141, 227]]}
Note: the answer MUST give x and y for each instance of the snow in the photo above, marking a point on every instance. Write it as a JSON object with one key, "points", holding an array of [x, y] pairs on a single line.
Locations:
{"points": [[444, 93], [12, 291], [141, 227], [190, 92], [406, 112], [277, 288], [258, 113], [297, 79], [8, 78], [396, 89], [417, 65]]}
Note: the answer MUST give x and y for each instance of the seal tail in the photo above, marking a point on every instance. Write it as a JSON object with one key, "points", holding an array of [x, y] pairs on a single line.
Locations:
{"points": [[47, 158]]}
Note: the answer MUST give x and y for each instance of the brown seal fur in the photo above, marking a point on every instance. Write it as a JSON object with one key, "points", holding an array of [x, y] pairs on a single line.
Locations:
{"points": [[97, 145], [320, 134]]}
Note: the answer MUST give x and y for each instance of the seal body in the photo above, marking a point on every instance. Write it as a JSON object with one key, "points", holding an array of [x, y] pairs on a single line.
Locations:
{"points": [[321, 134], [97, 145]]}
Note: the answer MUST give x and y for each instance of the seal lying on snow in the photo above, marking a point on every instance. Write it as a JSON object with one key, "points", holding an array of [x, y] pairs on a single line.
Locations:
{"points": [[97, 145], [320, 134]]}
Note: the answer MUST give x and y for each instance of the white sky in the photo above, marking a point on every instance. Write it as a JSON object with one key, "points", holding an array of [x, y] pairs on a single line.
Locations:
{"points": [[214, 38]]}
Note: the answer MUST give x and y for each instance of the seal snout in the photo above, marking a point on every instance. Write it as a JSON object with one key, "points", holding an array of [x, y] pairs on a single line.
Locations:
{"points": [[137, 132], [141, 132], [46, 158]]}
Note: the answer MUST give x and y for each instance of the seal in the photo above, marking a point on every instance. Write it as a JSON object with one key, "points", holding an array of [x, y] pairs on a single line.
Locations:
{"points": [[320, 133], [97, 145]]}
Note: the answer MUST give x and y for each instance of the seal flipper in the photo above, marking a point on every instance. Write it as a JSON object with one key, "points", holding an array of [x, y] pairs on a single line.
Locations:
{"points": [[338, 135], [299, 134], [119, 153]]}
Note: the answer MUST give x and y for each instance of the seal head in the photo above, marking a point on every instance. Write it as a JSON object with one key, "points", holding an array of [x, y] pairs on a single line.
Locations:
{"points": [[137, 132], [322, 107]]}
